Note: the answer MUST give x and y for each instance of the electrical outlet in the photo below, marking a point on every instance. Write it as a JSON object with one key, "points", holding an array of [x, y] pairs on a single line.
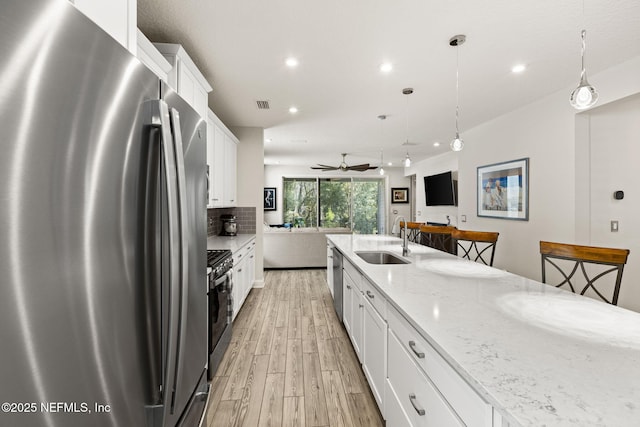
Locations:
{"points": [[614, 226], [463, 218]]}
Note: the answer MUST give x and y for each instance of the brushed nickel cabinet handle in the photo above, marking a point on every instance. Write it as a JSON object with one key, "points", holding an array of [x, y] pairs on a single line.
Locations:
{"points": [[370, 295], [412, 345], [348, 287], [361, 305], [419, 410]]}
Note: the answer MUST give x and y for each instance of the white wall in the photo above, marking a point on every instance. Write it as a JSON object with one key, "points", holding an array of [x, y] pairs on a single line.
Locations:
{"points": [[614, 155], [250, 182], [432, 166], [550, 134], [273, 175]]}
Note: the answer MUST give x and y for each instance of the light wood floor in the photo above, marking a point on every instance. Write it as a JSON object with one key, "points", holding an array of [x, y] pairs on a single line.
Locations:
{"points": [[290, 362]]}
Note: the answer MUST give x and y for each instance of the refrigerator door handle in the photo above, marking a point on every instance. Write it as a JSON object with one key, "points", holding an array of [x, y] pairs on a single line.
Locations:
{"points": [[161, 119], [184, 253]]}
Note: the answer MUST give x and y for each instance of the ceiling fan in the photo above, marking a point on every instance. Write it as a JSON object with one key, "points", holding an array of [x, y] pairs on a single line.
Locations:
{"points": [[344, 167]]}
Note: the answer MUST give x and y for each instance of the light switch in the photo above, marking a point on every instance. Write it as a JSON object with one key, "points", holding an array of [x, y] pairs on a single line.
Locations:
{"points": [[463, 218], [614, 226]]}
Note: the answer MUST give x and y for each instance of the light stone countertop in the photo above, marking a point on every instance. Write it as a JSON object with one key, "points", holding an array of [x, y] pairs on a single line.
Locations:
{"points": [[540, 355], [232, 243]]}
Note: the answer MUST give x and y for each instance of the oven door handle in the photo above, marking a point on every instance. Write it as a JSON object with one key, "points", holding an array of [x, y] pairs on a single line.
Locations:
{"points": [[222, 279]]}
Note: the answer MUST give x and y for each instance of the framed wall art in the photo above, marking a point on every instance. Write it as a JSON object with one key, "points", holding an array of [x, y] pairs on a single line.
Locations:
{"points": [[400, 195], [269, 198], [503, 190]]}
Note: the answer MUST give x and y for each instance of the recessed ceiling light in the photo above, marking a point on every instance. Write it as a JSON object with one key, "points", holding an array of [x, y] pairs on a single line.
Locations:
{"points": [[293, 110], [518, 68], [291, 62], [436, 144], [390, 164], [386, 67]]}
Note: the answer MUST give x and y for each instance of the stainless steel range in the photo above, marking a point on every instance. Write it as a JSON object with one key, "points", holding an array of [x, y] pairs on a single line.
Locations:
{"points": [[220, 305]]}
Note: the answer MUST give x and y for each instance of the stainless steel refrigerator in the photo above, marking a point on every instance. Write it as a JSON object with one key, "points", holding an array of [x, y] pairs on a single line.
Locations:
{"points": [[103, 293]]}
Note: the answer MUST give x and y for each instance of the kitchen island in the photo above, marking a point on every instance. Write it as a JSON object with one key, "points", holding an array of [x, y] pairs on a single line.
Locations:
{"points": [[538, 355]]}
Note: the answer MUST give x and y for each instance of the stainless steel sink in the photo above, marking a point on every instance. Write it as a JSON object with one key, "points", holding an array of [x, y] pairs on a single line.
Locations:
{"points": [[381, 257]]}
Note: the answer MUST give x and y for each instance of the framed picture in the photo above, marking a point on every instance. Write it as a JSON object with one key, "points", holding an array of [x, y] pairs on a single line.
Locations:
{"points": [[269, 198], [400, 195], [503, 190]]}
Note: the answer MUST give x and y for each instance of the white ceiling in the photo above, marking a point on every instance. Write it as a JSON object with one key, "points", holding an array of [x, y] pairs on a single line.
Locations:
{"points": [[241, 45]]}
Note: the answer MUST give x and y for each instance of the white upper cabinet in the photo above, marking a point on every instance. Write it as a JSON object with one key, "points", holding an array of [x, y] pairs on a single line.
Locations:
{"points": [[116, 17], [222, 163], [230, 174], [185, 77], [150, 56]]}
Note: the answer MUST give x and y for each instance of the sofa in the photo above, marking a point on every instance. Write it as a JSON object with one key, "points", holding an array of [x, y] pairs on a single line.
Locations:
{"points": [[297, 247]]}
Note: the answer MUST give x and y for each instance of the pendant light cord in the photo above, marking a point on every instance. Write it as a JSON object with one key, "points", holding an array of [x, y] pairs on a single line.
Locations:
{"points": [[584, 47], [457, 87], [407, 141]]}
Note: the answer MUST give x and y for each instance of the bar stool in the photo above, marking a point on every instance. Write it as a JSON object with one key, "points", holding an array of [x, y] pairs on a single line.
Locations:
{"points": [[476, 245], [438, 237], [413, 231], [567, 258]]}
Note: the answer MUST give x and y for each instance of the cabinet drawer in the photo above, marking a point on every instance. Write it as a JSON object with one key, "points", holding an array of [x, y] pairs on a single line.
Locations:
{"points": [[469, 406], [374, 296], [242, 253], [353, 272], [419, 399], [394, 414]]}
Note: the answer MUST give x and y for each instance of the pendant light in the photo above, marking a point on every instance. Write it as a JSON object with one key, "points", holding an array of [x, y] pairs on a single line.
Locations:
{"points": [[585, 95], [407, 159], [381, 171], [457, 144]]}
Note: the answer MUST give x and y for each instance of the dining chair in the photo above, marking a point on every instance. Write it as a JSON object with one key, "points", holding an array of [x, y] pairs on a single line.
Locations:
{"points": [[438, 237], [476, 245], [600, 262], [413, 231]]}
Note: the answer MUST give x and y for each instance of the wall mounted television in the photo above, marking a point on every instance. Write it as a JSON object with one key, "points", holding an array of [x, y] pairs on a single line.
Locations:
{"points": [[441, 189]]}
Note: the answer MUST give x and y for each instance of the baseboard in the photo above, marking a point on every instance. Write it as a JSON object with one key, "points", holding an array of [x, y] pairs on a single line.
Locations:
{"points": [[258, 284]]}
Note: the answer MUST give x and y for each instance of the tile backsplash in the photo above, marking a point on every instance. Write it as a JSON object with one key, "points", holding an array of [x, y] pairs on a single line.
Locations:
{"points": [[245, 219]]}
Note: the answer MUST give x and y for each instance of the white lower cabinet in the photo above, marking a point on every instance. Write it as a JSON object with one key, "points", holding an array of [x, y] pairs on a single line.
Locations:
{"points": [[347, 302], [243, 274], [352, 310], [442, 383], [363, 317], [375, 350], [330, 268], [414, 393], [412, 384], [357, 332]]}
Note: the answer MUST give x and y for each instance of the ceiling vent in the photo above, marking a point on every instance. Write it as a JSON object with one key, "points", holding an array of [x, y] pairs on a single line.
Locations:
{"points": [[262, 105]]}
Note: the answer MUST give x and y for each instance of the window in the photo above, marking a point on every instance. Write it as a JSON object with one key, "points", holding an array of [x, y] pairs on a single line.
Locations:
{"points": [[354, 203], [368, 206], [300, 201], [335, 202]]}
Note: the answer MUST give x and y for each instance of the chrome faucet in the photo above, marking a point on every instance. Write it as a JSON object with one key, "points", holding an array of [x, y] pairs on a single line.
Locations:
{"points": [[405, 241]]}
